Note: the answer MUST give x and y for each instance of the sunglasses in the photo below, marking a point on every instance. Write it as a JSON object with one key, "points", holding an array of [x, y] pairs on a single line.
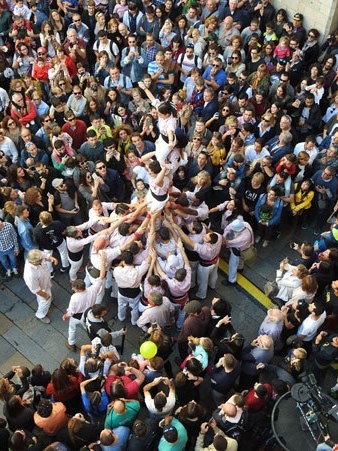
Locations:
{"points": [[101, 167], [196, 139], [215, 65], [71, 119], [78, 93], [266, 120], [47, 120], [40, 53], [226, 109], [77, 20], [62, 83]]}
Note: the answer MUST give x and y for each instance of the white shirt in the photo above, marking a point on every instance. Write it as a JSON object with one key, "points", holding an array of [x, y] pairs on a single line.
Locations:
{"points": [[251, 154], [159, 314], [309, 327], [171, 400], [37, 277], [79, 302], [9, 149], [301, 147], [77, 244], [130, 276]]}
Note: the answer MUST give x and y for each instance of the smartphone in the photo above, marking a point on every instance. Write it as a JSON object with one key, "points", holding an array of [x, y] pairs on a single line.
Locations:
{"points": [[95, 176]]}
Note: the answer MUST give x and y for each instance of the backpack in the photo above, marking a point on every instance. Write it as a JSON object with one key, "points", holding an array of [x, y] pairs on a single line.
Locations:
{"points": [[181, 57]]}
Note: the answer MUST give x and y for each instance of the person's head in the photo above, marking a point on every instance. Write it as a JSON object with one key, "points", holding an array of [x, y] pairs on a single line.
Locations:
{"points": [[317, 308], [170, 434], [160, 400], [45, 408], [99, 311], [328, 173], [15, 406], [78, 285], [107, 437], [155, 298], [117, 389], [313, 34], [309, 284], [260, 391], [220, 442]]}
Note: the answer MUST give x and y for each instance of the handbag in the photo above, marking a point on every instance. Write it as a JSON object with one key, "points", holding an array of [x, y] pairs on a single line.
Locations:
{"points": [[250, 254], [270, 288]]}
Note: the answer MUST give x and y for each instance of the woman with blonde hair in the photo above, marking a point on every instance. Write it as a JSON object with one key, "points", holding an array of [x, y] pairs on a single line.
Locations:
{"points": [[200, 186], [166, 33], [260, 79], [197, 41], [210, 26], [100, 23], [266, 127], [288, 278], [164, 345], [306, 291], [9, 212], [229, 130]]}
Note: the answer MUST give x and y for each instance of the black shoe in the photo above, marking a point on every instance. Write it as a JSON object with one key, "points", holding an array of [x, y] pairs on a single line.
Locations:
{"points": [[240, 270], [62, 269], [72, 348], [227, 283], [197, 298]]}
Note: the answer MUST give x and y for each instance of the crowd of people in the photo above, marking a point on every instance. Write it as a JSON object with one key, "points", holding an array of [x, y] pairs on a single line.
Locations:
{"points": [[138, 141]]}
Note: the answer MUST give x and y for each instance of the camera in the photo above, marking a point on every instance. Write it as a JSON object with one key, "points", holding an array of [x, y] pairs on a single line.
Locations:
{"points": [[50, 33], [96, 354]]}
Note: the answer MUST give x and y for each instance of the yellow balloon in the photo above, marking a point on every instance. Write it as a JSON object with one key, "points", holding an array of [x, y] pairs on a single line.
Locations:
{"points": [[148, 349]]}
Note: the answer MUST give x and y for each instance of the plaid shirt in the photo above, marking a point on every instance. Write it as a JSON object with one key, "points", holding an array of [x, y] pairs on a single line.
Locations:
{"points": [[8, 238]]}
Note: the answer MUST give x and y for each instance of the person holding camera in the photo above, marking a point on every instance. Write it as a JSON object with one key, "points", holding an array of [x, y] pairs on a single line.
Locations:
{"points": [[220, 440], [66, 203], [163, 402]]}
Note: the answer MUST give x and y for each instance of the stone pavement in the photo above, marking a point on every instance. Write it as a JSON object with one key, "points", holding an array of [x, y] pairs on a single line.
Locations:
{"points": [[26, 341]]}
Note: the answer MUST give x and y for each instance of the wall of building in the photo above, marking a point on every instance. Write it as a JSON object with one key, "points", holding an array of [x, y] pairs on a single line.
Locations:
{"points": [[320, 14]]}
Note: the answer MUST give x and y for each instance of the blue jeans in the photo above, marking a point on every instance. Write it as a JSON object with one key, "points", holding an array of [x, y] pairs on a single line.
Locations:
{"points": [[8, 259]]}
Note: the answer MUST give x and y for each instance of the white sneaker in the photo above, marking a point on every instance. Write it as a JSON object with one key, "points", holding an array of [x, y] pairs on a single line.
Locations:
{"points": [[44, 320], [257, 240], [15, 272], [8, 273], [265, 243]]}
